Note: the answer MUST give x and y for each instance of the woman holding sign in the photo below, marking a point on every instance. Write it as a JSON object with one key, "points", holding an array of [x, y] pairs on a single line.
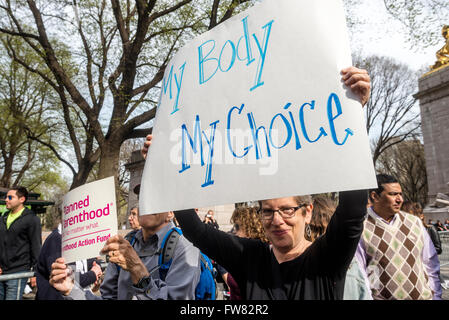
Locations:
{"points": [[291, 267]]}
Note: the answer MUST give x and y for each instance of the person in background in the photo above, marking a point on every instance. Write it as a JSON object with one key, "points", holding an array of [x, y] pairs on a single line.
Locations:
{"points": [[133, 218], [210, 219], [356, 284], [133, 269], [20, 242], [395, 250], [446, 224], [440, 226], [247, 224], [323, 209], [89, 271], [415, 209]]}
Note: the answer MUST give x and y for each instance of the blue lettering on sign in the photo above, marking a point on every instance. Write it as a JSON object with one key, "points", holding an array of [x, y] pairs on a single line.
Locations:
{"points": [[334, 98], [255, 135], [303, 126], [289, 124], [263, 52], [232, 46], [228, 132], [196, 145], [284, 123], [167, 84], [203, 59], [213, 64], [210, 142], [246, 36], [287, 127], [209, 64], [193, 143], [297, 142]]}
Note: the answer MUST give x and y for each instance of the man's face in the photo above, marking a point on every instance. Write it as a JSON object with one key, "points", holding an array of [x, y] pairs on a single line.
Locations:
{"points": [[133, 218], [153, 221], [13, 201], [285, 233], [389, 201]]}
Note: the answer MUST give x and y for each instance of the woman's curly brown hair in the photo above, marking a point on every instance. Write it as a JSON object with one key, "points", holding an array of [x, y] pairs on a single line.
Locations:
{"points": [[248, 220], [323, 209]]}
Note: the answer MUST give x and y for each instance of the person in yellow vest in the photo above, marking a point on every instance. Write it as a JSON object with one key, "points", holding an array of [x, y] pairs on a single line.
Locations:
{"points": [[395, 251], [20, 242]]}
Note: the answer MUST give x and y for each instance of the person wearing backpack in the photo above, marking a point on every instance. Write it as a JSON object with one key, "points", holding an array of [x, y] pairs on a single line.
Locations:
{"points": [[134, 266]]}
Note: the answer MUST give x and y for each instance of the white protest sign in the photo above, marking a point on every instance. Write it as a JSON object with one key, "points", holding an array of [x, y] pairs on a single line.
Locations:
{"points": [[256, 109], [89, 218]]}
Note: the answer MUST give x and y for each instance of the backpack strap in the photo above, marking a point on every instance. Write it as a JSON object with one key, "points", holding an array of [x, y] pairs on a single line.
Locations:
{"points": [[168, 247], [205, 262], [131, 237]]}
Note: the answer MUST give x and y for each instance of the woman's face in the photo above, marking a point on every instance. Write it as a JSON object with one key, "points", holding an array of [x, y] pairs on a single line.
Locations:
{"points": [[286, 234]]}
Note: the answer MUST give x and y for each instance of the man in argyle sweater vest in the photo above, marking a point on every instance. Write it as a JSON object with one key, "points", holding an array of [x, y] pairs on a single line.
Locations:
{"points": [[396, 252]]}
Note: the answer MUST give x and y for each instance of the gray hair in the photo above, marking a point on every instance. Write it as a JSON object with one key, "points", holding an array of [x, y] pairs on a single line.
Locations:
{"points": [[306, 199]]}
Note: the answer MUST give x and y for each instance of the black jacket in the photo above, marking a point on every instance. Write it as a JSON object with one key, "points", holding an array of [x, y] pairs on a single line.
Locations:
{"points": [[51, 250], [435, 237], [21, 243], [317, 274]]}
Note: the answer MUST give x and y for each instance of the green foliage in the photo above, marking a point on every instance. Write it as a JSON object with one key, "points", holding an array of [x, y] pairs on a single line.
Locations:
{"points": [[103, 60], [25, 111]]}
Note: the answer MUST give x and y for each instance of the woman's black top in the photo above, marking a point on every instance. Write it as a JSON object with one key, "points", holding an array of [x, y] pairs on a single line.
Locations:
{"points": [[317, 274]]}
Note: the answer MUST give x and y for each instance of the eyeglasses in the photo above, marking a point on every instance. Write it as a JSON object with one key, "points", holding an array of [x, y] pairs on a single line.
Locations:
{"points": [[285, 213], [9, 198]]}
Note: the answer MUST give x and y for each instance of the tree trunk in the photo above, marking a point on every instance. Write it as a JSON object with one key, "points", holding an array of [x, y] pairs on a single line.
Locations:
{"points": [[109, 162], [81, 176], [7, 173]]}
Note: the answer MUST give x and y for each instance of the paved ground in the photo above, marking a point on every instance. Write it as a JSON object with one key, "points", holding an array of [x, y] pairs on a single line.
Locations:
{"points": [[444, 271]]}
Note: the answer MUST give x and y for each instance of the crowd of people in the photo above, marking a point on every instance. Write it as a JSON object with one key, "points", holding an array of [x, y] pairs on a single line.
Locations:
{"points": [[362, 246], [442, 226]]}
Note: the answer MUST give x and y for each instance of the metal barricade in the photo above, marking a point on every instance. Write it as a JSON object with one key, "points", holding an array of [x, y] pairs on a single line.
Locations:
{"points": [[30, 274], [444, 256], [18, 275]]}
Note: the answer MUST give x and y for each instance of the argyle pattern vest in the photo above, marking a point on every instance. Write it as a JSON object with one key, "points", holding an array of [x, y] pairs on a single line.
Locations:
{"points": [[394, 263]]}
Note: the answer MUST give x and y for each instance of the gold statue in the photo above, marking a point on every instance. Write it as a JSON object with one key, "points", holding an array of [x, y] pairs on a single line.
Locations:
{"points": [[443, 53]]}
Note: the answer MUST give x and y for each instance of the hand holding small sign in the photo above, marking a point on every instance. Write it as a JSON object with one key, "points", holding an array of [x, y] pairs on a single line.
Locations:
{"points": [[60, 277], [122, 253]]}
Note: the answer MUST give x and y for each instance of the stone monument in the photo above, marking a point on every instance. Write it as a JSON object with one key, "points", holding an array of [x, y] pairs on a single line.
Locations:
{"points": [[433, 98], [135, 167]]}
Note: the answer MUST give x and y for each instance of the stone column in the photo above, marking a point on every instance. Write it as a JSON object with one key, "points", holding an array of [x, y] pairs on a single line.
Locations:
{"points": [[433, 98], [135, 167]]}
